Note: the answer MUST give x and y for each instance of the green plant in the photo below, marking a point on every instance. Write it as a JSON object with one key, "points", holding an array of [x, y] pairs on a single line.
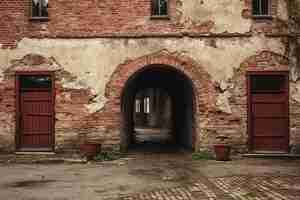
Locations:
{"points": [[107, 156], [202, 155]]}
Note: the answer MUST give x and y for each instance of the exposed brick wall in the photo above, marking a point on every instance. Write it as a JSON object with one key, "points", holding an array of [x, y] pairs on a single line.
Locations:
{"points": [[12, 21], [262, 61], [106, 18], [74, 121], [84, 18], [70, 110], [7, 115], [204, 90]]}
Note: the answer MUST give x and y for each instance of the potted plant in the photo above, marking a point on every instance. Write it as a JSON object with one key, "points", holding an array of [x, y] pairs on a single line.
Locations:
{"points": [[222, 148], [88, 147]]}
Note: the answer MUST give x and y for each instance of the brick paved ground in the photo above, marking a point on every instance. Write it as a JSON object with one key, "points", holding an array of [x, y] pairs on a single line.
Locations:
{"points": [[153, 176], [266, 187]]}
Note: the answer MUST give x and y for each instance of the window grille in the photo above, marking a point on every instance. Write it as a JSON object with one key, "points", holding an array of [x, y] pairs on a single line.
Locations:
{"points": [[39, 8], [159, 7], [261, 7]]}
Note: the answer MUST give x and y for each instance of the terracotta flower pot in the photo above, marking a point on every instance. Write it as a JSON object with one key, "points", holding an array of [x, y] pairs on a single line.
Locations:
{"points": [[90, 149], [222, 152]]}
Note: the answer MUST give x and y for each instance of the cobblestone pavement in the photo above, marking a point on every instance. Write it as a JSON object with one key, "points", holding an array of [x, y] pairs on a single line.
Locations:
{"points": [[266, 187]]}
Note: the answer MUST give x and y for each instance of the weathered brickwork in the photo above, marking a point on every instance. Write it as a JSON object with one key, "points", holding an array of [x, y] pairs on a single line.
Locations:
{"points": [[237, 187], [69, 104], [69, 19], [95, 47]]}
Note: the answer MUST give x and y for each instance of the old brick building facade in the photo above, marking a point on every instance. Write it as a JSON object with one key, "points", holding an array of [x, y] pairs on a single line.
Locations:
{"points": [[72, 69]]}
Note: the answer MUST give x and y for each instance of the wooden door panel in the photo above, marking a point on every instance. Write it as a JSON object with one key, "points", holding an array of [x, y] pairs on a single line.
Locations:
{"points": [[269, 110], [39, 141], [269, 143], [37, 108], [36, 95], [270, 126], [268, 98], [36, 124], [36, 113]]}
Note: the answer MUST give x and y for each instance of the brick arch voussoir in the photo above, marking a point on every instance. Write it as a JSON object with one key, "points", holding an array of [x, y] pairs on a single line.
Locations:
{"points": [[203, 86], [265, 61]]}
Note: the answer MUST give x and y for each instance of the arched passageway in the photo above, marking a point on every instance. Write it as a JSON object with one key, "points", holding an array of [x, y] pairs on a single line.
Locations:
{"points": [[157, 109]]}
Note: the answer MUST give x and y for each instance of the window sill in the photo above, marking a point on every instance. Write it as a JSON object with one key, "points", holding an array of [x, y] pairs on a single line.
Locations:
{"points": [[39, 19], [258, 17], [163, 17]]}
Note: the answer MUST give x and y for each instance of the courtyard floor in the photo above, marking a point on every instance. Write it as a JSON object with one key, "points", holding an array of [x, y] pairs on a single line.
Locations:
{"points": [[158, 176]]}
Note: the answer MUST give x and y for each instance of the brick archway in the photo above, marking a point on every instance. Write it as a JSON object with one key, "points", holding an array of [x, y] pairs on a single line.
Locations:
{"points": [[202, 85]]}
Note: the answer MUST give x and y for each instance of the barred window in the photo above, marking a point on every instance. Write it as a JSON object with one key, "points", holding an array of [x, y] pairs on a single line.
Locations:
{"points": [[39, 8], [261, 7], [159, 7]]}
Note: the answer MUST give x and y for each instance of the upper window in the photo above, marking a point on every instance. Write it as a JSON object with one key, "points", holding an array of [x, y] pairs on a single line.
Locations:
{"points": [[159, 7], [39, 8], [261, 7]]}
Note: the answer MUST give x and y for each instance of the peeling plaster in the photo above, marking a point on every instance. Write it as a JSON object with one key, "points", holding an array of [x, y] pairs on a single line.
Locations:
{"points": [[92, 61], [227, 14], [295, 92], [282, 10], [98, 103], [223, 102]]}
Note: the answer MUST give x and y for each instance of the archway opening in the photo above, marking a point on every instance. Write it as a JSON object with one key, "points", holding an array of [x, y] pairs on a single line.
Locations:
{"points": [[157, 110]]}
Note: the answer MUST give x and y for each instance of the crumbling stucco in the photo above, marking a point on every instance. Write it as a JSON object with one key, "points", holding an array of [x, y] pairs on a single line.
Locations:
{"points": [[87, 59], [282, 13], [223, 102], [294, 48], [295, 92], [90, 67], [226, 15]]}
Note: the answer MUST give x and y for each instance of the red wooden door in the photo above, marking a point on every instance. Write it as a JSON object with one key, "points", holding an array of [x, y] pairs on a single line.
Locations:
{"points": [[36, 112], [269, 112]]}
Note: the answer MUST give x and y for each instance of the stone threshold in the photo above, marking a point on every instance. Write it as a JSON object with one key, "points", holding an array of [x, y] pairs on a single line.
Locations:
{"points": [[34, 153], [40, 157], [271, 155]]}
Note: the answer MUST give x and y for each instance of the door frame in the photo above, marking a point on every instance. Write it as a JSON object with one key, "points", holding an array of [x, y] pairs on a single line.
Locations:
{"points": [[249, 121], [18, 107]]}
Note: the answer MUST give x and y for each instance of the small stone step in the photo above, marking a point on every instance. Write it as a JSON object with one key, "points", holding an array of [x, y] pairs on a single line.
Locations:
{"points": [[40, 158], [271, 155]]}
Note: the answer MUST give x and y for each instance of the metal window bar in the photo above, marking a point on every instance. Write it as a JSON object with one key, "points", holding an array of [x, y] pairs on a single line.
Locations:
{"points": [[159, 7], [261, 7], [264, 6], [39, 8]]}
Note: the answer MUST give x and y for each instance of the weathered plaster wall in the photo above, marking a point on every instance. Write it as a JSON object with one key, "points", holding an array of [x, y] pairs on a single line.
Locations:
{"points": [[84, 67], [294, 56], [226, 15], [94, 60], [220, 36]]}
